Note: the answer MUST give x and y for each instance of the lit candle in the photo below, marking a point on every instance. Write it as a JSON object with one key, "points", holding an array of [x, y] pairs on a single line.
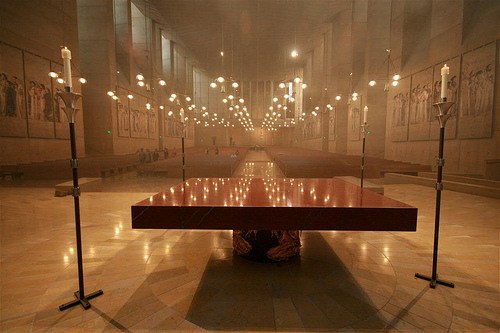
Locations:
{"points": [[66, 56], [445, 71], [365, 114]]}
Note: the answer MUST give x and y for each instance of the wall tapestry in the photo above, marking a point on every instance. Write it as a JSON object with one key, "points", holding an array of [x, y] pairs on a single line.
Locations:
{"points": [[420, 105], [476, 93], [354, 121], [138, 118], [311, 128], [399, 110], [40, 100], [152, 123], [332, 120], [12, 94], [123, 114]]}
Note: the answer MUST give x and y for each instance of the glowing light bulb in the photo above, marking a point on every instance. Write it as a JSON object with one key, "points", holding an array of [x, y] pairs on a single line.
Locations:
{"points": [[213, 85], [372, 83], [294, 54]]}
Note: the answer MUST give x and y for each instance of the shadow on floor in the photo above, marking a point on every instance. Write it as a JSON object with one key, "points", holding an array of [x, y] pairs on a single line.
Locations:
{"points": [[304, 293]]}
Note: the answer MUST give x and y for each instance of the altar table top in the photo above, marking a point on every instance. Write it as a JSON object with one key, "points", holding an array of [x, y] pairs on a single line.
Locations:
{"points": [[272, 204]]}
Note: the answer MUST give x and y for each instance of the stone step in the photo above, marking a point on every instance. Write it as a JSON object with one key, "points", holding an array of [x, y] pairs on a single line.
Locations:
{"points": [[462, 179], [485, 191], [86, 184], [369, 185]]}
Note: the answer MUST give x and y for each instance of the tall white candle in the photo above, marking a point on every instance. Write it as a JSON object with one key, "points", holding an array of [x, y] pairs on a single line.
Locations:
{"points": [[66, 56], [365, 114], [445, 71]]}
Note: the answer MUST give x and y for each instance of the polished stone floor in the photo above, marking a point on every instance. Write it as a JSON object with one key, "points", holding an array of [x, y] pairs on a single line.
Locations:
{"points": [[181, 280]]}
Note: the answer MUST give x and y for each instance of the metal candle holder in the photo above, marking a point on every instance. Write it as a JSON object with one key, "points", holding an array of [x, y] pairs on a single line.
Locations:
{"points": [[183, 153], [70, 98], [443, 116], [364, 130]]}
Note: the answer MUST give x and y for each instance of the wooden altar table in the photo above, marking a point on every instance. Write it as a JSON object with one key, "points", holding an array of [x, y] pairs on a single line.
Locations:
{"points": [[272, 204]]}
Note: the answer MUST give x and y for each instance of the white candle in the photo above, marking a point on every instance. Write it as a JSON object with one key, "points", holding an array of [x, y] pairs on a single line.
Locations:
{"points": [[66, 56], [445, 71], [365, 114]]}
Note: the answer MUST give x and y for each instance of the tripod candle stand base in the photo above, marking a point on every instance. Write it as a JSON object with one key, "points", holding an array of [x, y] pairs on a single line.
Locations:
{"points": [[434, 282], [83, 301]]}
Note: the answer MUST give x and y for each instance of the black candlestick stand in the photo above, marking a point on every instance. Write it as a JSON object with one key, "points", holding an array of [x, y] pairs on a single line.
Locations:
{"points": [[442, 117], [183, 154], [364, 129], [69, 98]]}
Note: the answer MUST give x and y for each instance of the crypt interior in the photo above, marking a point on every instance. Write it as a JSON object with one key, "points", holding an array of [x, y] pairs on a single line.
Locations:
{"points": [[256, 117]]}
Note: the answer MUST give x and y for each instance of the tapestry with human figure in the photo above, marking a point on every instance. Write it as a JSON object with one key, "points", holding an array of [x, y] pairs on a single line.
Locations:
{"points": [[123, 114], [354, 120], [477, 93], [420, 105], [138, 117], [311, 127], [40, 102], [452, 96], [332, 119], [399, 108], [152, 123], [12, 94]]}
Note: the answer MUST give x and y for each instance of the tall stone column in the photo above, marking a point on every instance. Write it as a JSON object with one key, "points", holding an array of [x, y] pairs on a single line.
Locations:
{"points": [[98, 64]]}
